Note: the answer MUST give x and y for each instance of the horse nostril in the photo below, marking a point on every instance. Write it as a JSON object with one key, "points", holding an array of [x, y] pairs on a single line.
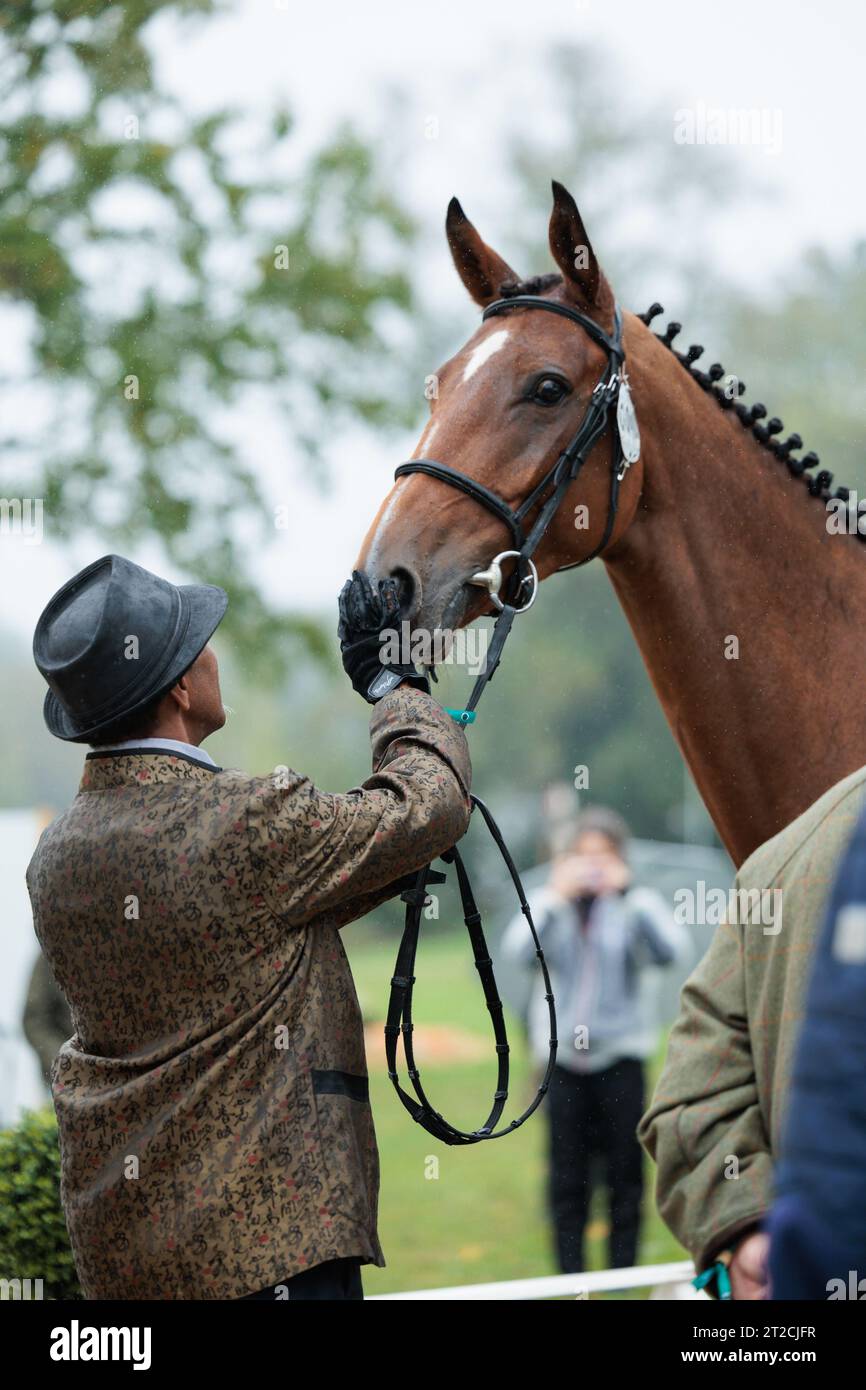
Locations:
{"points": [[408, 589]]}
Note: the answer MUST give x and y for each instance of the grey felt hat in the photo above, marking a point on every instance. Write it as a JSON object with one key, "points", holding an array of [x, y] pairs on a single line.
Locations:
{"points": [[115, 638]]}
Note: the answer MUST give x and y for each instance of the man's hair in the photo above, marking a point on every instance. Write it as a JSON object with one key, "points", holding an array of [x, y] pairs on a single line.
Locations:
{"points": [[601, 820], [144, 722], [141, 724]]}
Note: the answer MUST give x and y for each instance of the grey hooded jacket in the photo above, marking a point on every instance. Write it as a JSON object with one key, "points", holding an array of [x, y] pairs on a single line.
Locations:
{"points": [[604, 996]]}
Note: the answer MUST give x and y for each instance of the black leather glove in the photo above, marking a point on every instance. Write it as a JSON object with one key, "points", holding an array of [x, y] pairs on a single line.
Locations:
{"points": [[364, 615]]}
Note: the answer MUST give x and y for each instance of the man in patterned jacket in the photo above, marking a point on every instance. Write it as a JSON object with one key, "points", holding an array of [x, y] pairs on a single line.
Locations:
{"points": [[215, 1128]]}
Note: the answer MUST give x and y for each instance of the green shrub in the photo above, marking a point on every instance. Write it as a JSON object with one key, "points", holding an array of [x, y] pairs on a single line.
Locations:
{"points": [[34, 1243]]}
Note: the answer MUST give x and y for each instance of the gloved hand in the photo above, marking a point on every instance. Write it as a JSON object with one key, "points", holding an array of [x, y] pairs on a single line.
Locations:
{"points": [[364, 614]]}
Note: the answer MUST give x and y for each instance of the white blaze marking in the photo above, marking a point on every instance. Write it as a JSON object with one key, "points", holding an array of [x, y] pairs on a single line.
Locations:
{"points": [[429, 430], [381, 529], [481, 354], [485, 351]]}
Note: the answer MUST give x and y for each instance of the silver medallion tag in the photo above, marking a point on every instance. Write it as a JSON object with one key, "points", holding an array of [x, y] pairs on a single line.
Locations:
{"points": [[626, 423]]}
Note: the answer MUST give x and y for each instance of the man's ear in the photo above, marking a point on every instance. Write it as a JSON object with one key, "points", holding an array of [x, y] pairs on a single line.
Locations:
{"points": [[180, 693], [571, 249], [478, 265]]}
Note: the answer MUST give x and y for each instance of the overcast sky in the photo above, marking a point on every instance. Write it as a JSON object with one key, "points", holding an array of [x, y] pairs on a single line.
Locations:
{"points": [[801, 64]]}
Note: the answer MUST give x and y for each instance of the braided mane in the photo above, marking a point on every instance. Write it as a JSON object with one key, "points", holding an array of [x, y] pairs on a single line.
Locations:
{"points": [[750, 417]]}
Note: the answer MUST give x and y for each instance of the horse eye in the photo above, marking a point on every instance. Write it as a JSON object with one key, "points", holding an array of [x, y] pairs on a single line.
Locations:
{"points": [[549, 391]]}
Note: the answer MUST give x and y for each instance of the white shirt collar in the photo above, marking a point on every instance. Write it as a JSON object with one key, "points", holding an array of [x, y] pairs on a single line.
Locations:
{"points": [[171, 745]]}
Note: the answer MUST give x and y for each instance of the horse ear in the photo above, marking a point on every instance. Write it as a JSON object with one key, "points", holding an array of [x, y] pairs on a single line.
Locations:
{"points": [[574, 255], [479, 267]]}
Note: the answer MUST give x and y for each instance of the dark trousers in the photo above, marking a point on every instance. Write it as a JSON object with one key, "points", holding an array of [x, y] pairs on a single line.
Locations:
{"points": [[593, 1117], [334, 1279]]}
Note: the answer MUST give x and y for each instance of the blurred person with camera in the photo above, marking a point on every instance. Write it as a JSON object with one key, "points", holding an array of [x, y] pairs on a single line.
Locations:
{"points": [[599, 933]]}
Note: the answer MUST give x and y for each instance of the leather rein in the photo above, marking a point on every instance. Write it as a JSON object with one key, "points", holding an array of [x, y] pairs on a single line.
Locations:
{"points": [[611, 391]]}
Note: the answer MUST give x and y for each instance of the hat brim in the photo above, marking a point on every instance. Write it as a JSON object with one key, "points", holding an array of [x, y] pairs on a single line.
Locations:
{"points": [[207, 605]]}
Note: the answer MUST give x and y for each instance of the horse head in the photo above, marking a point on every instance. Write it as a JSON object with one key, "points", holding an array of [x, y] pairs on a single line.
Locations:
{"points": [[502, 410]]}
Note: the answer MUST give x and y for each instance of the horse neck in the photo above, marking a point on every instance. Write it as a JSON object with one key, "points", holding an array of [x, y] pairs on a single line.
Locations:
{"points": [[744, 608]]}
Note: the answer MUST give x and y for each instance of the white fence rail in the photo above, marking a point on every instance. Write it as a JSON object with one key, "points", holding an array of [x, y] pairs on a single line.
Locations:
{"points": [[561, 1285]]}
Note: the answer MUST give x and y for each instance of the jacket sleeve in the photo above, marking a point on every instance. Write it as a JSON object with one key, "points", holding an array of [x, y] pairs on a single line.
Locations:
{"points": [[704, 1127], [339, 855]]}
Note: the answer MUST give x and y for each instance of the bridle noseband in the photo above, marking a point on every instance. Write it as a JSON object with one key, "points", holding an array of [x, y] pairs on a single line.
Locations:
{"points": [[611, 389]]}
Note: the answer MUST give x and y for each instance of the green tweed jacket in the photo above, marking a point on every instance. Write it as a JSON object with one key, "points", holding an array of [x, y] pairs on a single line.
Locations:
{"points": [[715, 1121], [215, 1126]]}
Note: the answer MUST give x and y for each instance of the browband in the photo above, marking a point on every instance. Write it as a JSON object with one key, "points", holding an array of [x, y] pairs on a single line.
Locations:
{"points": [[612, 345]]}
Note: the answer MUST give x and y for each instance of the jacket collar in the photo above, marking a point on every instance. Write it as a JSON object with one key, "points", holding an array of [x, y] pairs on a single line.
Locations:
{"points": [[141, 767], [167, 745]]}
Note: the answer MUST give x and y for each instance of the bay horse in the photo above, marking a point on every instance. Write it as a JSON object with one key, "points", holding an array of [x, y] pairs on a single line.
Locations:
{"points": [[742, 598]]}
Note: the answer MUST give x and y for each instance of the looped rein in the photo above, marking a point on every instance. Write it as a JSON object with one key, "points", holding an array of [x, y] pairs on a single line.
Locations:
{"points": [[547, 496], [400, 1004]]}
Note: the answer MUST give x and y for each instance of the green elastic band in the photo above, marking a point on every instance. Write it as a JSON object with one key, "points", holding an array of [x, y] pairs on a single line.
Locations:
{"points": [[719, 1272], [462, 716]]}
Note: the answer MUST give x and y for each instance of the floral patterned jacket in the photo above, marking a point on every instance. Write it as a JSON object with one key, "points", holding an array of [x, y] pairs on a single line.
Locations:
{"points": [[215, 1127]]}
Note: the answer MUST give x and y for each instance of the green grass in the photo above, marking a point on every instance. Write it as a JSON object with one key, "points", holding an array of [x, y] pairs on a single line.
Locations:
{"points": [[483, 1217]]}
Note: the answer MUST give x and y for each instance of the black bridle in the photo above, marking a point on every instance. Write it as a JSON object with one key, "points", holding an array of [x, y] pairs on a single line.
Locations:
{"points": [[548, 495], [556, 481]]}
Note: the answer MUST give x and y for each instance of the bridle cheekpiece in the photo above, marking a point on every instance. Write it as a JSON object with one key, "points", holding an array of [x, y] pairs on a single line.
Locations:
{"points": [[610, 391]]}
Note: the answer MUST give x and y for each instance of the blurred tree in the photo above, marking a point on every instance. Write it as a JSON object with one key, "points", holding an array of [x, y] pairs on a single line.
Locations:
{"points": [[800, 349], [641, 194], [157, 268]]}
